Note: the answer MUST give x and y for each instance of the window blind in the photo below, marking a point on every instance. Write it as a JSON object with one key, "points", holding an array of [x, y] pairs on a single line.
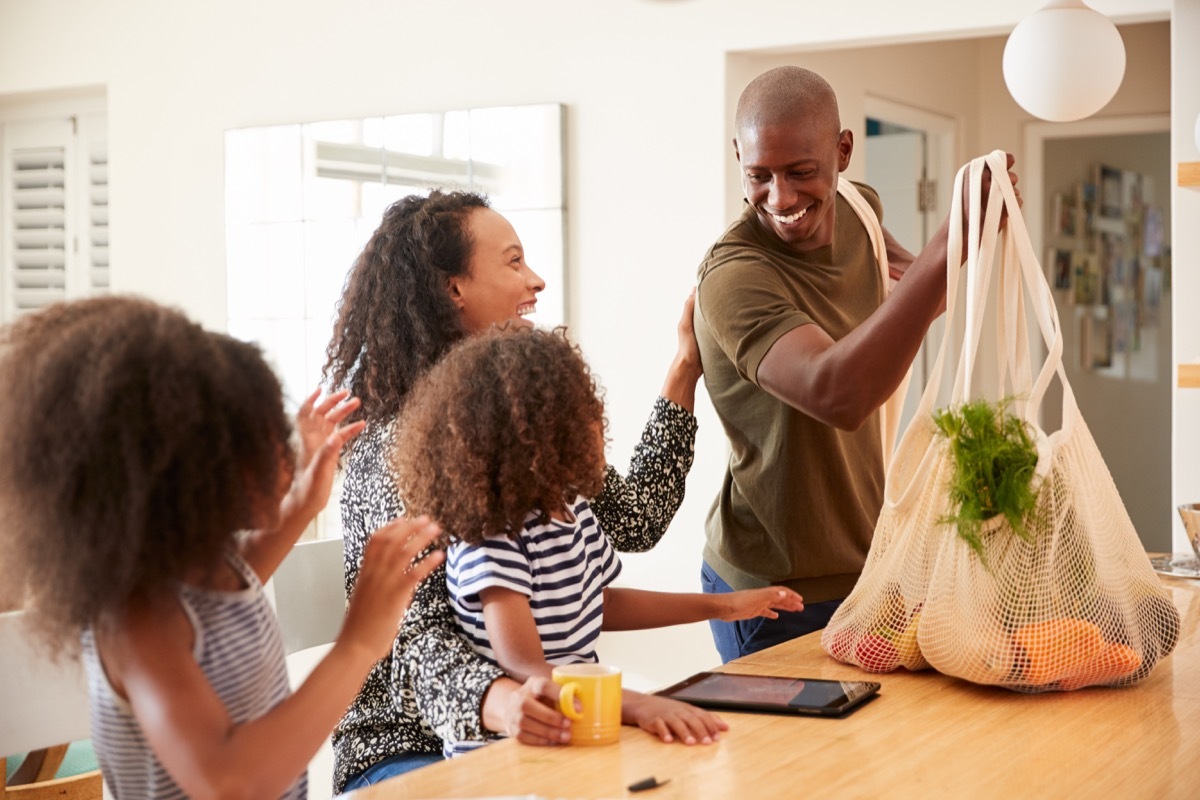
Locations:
{"points": [[54, 232]]}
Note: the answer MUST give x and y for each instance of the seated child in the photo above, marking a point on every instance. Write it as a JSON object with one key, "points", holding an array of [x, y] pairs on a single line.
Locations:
{"points": [[501, 443], [148, 489]]}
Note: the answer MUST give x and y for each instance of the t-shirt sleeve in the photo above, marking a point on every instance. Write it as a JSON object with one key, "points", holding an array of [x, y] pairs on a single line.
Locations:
{"points": [[605, 554], [872, 198], [746, 310], [495, 562]]}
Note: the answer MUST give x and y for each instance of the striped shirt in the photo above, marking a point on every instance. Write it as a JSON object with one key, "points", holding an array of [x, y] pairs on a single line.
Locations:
{"points": [[562, 567], [240, 651]]}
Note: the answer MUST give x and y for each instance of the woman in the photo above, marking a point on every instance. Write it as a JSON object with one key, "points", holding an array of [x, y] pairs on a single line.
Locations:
{"points": [[438, 269]]}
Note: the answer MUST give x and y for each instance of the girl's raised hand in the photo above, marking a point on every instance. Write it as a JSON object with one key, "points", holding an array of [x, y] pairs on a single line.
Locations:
{"points": [[317, 421], [389, 575], [760, 603], [322, 437]]}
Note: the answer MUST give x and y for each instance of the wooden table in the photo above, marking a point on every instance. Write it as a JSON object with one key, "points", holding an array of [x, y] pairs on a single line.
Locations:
{"points": [[926, 735]]}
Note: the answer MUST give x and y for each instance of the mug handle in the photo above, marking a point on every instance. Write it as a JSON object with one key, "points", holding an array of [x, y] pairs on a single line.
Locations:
{"points": [[566, 700]]}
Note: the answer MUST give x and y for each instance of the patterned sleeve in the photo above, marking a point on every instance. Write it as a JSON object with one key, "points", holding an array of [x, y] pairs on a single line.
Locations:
{"points": [[434, 677], [433, 661], [636, 509]]}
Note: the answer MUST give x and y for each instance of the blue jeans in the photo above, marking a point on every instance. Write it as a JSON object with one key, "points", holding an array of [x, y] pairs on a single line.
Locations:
{"points": [[390, 767], [746, 636]]}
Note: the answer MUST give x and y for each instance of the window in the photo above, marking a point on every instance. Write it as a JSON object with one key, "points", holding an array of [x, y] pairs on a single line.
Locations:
{"points": [[301, 201], [54, 193]]}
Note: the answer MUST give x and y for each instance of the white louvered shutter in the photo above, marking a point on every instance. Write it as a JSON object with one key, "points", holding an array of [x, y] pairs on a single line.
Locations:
{"points": [[93, 156], [55, 214]]}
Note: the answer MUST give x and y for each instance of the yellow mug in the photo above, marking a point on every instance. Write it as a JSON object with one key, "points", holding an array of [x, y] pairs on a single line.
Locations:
{"points": [[597, 689]]}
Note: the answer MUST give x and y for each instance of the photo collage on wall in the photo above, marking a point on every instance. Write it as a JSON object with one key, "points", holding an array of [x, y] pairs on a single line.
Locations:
{"points": [[1109, 260]]}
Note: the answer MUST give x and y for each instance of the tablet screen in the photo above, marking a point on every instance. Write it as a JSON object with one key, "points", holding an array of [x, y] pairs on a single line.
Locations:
{"points": [[771, 693]]}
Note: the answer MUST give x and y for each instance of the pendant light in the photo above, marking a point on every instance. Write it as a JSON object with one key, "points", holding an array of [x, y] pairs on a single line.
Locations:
{"points": [[1064, 62]]}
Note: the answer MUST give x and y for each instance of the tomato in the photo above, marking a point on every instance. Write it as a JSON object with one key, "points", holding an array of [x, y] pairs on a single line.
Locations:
{"points": [[874, 653]]}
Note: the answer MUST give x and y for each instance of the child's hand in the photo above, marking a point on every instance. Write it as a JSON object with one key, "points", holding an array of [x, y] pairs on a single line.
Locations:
{"points": [[531, 714], [321, 440], [386, 583], [316, 422], [760, 603], [670, 719]]}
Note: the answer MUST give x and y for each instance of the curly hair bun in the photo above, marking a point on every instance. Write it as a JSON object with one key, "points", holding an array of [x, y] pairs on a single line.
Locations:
{"points": [[137, 444], [509, 423]]}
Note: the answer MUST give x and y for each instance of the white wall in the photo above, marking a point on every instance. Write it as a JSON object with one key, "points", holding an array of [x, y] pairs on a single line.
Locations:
{"points": [[1185, 240], [645, 82]]}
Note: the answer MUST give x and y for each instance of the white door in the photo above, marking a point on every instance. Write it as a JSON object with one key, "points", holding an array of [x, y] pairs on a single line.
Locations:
{"points": [[896, 168]]}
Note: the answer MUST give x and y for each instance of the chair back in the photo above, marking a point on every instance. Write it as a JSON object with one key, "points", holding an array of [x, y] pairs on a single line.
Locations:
{"points": [[43, 703], [310, 596]]}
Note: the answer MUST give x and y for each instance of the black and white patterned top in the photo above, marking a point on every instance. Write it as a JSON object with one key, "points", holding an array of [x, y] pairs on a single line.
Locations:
{"points": [[433, 685]]}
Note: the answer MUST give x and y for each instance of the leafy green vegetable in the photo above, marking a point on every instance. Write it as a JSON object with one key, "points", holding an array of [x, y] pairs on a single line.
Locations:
{"points": [[994, 458]]}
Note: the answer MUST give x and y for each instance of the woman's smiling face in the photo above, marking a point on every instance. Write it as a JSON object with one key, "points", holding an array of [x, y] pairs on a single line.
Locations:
{"points": [[498, 286]]}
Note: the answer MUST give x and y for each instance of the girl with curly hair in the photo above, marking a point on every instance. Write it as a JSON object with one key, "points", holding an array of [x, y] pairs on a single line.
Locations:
{"points": [[502, 442], [148, 490], [438, 269]]}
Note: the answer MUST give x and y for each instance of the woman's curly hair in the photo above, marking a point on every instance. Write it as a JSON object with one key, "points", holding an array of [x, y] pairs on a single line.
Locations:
{"points": [[136, 444], [508, 423], [395, 317]]}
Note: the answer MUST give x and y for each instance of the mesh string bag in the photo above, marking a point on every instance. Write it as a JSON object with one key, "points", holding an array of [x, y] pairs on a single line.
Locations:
{"points": [[1057, 598]]}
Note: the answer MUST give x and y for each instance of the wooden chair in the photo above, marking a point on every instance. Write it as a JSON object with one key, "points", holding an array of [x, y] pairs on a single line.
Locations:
{"points": [[43, 704]]}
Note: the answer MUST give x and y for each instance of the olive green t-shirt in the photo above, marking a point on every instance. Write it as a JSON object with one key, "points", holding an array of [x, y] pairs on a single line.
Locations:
{"points": [[800, 498]]}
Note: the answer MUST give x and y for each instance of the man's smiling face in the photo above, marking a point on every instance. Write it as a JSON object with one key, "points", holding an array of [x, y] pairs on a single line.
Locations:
{"points": [[790, 174]]}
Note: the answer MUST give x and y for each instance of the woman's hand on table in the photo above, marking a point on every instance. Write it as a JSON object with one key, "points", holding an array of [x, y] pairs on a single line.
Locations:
{"points": [[671, 720]]}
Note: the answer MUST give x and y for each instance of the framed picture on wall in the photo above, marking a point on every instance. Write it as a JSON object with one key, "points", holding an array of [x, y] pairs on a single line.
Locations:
{"points": [[1085, 199], [1151, 296], [1095, 340], [1088, 278], [1111, 186], [1131, 192], [1152, 232], [1062, 269], [1124, 327], [1065, 215]]}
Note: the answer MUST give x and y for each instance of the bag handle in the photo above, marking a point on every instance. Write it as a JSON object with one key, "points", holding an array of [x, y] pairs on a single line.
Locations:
{"points": [[893, 407], [1026, 262], [1019, 269], [897, 494]]}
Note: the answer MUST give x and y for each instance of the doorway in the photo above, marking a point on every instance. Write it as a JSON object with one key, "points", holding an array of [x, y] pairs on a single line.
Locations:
{"points": [[910, 162], [1103, 190]]}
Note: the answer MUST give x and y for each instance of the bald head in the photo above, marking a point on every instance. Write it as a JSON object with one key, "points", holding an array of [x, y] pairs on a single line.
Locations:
{"points": [[785, 95]]}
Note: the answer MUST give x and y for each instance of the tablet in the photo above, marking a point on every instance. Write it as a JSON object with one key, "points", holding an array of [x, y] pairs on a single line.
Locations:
{"points": [[772, 694]]}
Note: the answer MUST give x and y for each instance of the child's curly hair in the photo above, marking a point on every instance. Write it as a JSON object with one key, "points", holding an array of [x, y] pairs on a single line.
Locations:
{"points": [[509, 422], [135, 445]]}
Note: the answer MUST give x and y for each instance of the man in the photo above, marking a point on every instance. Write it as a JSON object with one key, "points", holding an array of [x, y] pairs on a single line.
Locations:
{"points": [[799, 353]]}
